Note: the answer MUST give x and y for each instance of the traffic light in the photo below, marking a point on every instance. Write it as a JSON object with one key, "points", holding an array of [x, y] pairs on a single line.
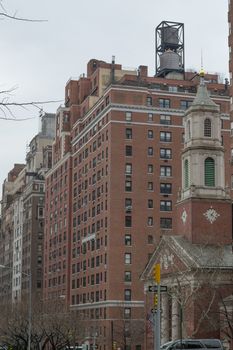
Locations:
{"points": [[114, 345], [156, 273]]}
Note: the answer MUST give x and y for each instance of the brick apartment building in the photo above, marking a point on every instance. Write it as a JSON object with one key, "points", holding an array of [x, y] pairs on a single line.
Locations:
{"points": [[111, 192], [22, 209]]}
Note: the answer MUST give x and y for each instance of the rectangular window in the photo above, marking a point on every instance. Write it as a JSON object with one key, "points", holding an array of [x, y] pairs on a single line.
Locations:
{"points": [[128, 116], [128, 221], [127, 313], [128, 205], [150, 186], [164, 103], [150, 117], [166, 171], [128, 168], [128, 133], [128, 239], [185, 104], [128, 184], [165, 136], [128, 150], [166, 223], [166, 188], [128, 276], [150, 221], [150, 151], [127, 294], [165, 205], [128, 259], [165, 119], [165, 153], [150, 134], [150, 168], [150, 204], [149, 101]]}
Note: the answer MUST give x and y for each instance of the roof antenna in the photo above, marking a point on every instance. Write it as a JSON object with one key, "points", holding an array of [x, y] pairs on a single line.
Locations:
{"points": [[202, 72]]}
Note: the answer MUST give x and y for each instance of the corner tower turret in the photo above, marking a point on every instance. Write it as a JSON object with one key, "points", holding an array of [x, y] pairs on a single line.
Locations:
{"points": [[203, 173], [204, 207]]}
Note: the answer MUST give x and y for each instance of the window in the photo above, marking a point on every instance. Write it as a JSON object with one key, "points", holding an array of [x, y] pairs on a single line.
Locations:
{"points": [[185, 104], [128, 133], [207, 127], [186, 173], [128, 150], [128, 116], [150, 239], [128, 221], [40, 212], [128, 184], [166, 223], [209, 172], [128, 239], [165, 136], [150, 168], [165, 205], [189, 130], [164, 103], [128, 258], [149, 101], [165, 153], [150, 204], [128, 205], [150, 221], [127, 312], [128, 168], [150, 134], [150, 117], [166, 188], [128, 276], [165, 119], [165, 171], [127, 294], [150, 151], [150, 186]]}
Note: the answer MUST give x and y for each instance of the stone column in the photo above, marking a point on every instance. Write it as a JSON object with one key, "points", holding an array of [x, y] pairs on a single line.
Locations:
{"points": [[175, 319], [165, 324]]}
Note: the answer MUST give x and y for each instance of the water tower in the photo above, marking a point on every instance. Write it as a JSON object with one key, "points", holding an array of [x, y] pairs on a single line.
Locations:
{"points": [[169, 38]]}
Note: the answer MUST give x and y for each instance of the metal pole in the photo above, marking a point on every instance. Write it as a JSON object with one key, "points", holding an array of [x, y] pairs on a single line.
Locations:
{"points": [[154, 327], [158, 321], [29, 310], [112, 333]]}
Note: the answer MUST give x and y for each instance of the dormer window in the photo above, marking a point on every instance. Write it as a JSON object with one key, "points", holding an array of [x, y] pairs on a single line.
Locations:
{"points": [[207, 127]]}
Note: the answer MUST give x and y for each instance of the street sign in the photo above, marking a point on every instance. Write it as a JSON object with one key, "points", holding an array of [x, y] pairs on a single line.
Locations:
{"points": [[154, 289]]}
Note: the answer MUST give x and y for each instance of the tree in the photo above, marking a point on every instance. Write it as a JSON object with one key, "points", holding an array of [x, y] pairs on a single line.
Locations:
{"points": [[8, 107]]}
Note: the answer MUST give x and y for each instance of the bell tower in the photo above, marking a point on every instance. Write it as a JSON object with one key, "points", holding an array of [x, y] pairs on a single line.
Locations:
{"points": [[204, 207]]}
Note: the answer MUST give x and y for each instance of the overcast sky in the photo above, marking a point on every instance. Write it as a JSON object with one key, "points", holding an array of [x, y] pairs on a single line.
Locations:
{"points": [[39, 58]]}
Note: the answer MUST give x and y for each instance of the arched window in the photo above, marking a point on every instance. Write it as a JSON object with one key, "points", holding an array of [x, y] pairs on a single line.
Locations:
{"points": [[209, 172], [188, 130], [207, 127], [186, 173]]}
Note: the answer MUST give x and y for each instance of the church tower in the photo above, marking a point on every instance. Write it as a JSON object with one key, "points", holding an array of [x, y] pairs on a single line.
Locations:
{"points": [[204, 207]]}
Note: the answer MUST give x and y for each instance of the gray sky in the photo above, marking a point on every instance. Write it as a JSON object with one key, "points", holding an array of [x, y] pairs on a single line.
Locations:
{"points": [[39, 58]]}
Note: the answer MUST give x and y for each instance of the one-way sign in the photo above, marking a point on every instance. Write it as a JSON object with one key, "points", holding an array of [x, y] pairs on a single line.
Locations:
{"points": [[154, 289]]}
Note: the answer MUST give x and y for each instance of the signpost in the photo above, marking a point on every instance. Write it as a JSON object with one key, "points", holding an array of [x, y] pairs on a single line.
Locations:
{"points": [[154, 289]]}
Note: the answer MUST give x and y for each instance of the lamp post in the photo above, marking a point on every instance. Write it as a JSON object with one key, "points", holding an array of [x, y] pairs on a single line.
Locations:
{"points": [[28, 275]]}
